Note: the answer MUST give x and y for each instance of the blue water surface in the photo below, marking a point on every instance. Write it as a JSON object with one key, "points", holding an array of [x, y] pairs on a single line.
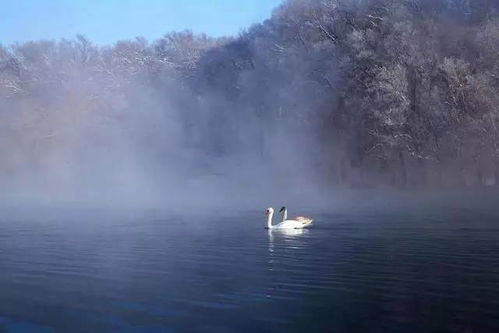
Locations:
{"points": [[378, 269]]}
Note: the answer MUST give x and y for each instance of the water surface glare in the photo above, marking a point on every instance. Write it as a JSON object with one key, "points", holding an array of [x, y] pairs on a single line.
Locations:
{"points": [[361, 271]]}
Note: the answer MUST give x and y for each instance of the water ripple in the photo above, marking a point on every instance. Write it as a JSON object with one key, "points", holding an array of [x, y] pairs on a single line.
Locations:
{"points": [[371, 272]]}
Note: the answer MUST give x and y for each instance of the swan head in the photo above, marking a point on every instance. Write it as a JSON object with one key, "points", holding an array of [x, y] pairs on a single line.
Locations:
{"points": [[282, 209], [269, 211]]}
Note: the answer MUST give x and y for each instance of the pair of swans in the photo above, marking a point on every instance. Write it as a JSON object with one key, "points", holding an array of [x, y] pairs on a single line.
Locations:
{"points": [[299, 222]]}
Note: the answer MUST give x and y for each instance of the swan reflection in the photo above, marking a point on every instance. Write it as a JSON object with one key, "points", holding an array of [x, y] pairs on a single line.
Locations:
{"points": [[280, 242], [288, 236]]}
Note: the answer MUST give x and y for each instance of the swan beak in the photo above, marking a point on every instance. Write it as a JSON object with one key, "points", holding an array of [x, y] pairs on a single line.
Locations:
{"points": [[282, 209]]}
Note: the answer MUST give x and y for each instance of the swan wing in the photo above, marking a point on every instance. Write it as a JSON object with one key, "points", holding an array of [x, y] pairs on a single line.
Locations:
{"points": [[289, 224], [294, 224], [303, 219]]}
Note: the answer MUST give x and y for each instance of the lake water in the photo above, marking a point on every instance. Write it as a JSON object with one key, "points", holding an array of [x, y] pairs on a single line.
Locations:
{"points": [[404, 269]]}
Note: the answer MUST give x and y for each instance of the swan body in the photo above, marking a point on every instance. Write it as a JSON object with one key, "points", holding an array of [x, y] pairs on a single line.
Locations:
{"points": [[299, 219], [299, 222]]}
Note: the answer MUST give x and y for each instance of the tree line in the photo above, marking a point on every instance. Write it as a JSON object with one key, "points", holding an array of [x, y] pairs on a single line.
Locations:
{"points": [[378, 92]]}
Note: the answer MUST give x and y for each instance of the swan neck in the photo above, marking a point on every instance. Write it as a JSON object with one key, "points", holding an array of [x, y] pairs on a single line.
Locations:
{"points": [[269, 220], [285, 215]]}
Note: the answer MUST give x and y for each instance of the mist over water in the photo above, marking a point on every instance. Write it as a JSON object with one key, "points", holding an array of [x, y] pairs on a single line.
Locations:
{"points": [[318, 97], [133, 142]]}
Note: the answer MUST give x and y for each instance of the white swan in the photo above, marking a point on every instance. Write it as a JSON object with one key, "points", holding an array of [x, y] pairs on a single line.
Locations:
{"points": [[297, 223]]}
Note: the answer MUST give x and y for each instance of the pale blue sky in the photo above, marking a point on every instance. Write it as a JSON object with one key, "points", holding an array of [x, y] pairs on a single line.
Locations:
{"points": [[106, 21]]}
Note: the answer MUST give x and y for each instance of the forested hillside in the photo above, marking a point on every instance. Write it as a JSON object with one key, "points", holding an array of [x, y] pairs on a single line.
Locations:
{"points": [[357, 93]]}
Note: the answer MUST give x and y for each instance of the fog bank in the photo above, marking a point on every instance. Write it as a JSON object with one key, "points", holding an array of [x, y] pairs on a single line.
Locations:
{"points": [[326, 95]]}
